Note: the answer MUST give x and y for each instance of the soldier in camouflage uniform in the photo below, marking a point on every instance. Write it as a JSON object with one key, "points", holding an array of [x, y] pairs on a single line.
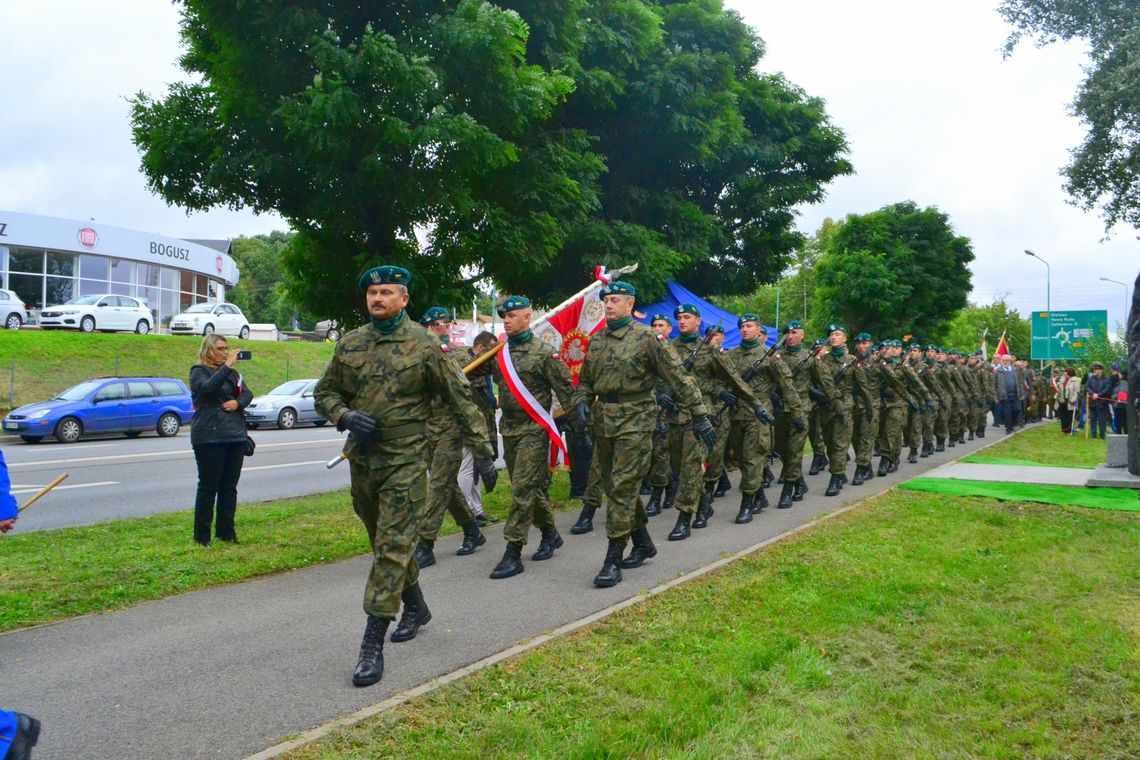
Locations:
{"points": [[526, 444], [769, 378], [483, 391], [791, 432], [894, 393], [925, 367], [961, 392], [865, 412], [835, 382], [936, 361], [662, 481], [616, 382], [445, 442], [379, 386], [921, 403], [723, 426], [982, 383], [819, 459], [945, 375]]}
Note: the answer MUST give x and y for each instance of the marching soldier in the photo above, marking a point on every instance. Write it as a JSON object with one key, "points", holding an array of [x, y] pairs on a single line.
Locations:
{"points": [[662, 482], [835, 382], [616, 383], [865, 413], [379, 386], [930, 421], [961, 393], [894, 393], [921, 404], [526, 443], [791, 433], [819, 459]]}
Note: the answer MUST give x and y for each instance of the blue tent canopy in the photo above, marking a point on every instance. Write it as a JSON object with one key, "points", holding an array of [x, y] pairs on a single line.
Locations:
{"points": [[710, 315]]}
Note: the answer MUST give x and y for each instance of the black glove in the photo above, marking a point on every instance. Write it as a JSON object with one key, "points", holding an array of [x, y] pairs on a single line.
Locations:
{"points": [[930, 406], [819, 397], [487, 473], [704, 430], [762, 413], [357, 423], [870, 414], [582, 410], [665, 401], [661, 429], [913, 406], [799, 426], [729, 399], [777, 401]]}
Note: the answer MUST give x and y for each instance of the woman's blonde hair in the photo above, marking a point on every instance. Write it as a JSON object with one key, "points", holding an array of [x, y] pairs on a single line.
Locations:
{"points": [[208, 344]]}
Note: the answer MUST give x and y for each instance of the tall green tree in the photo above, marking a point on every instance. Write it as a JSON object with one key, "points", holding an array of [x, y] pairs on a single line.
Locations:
{"points": [[896, 271], [1105, 168], [260, 293], [966, 329]]}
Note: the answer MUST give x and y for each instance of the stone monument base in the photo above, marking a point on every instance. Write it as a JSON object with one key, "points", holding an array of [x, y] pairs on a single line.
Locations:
{"points": [[1105, 476], [1117, 450]]}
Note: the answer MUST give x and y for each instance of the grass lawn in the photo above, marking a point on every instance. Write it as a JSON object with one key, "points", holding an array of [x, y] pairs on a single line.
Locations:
{"points": [[49, 362], [49, 575], [1046, 444], [916, 626]]}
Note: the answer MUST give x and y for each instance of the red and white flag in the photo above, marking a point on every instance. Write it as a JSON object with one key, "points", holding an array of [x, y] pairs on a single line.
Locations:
{"points": [[1002, 349]]}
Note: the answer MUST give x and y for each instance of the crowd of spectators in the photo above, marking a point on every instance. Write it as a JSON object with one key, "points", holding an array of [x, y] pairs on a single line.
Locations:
{"points": [[1078, 397]]}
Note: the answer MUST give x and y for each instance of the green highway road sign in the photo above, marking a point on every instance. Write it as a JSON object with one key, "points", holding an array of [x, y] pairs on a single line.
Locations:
{"points": [[1065, 334]]}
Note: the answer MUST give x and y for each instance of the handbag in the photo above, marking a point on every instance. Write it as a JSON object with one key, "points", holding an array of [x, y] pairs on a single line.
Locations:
{"points": [[250, 445]]}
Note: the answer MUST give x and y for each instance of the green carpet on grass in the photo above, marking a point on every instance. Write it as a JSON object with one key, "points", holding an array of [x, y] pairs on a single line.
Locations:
{"points": [[1121, 499], [975, 459]]}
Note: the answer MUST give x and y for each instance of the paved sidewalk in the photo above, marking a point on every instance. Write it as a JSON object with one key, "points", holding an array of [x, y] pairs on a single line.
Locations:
{"points": [[226, 672], [1004, 473]]}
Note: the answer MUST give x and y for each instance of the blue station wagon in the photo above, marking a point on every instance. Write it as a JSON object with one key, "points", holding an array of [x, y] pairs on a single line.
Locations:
{"points": [[129, 405]]}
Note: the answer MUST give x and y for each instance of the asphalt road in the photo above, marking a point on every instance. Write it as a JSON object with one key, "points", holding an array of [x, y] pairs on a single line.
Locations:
{"points": [[115, 477], [226, 672]]}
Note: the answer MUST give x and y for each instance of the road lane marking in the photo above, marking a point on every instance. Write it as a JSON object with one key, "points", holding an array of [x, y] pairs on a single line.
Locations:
{"points": [[34, 489], [276, 466], [54, 449], [176, 453]]}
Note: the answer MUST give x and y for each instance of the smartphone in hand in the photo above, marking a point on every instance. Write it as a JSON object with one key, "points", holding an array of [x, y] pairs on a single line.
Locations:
{"points": [[244, 355]]}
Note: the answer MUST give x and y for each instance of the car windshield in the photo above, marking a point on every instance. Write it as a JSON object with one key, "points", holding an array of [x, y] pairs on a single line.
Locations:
{"points": [[77, 392], [85, 301], [291, 388], [200, 308]]}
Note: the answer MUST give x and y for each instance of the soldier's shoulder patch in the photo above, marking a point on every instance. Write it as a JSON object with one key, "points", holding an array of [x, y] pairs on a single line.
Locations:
{"points": [[444, 347], [660, 338]]}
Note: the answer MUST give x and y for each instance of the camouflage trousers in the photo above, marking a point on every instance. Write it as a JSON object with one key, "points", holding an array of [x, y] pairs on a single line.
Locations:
{"points": [[942, 419], [912, 435], [837, 425], [389, 501], [623, 462], [790, 446], [928, 425], [863, 434], [715, 460], [981, 410], [815, 430], [527, 458], [659, 461], [957, 421], [594, 492], [443, 495], [686, 454], [891, 428], [751, 439]]}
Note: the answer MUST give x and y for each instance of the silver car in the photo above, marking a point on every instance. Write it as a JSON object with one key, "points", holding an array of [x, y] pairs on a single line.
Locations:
{"points": [[285, 406], [13, 315]]}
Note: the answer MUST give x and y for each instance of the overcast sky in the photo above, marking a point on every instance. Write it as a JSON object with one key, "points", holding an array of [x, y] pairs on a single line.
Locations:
{"points": [[932, 112]]}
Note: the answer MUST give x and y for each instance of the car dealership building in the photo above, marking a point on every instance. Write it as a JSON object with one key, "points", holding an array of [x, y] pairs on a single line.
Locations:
{"points": [[47, 260]]}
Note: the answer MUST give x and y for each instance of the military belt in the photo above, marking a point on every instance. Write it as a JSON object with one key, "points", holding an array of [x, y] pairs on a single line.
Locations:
{"points": [[400, 431], [624, 398]]}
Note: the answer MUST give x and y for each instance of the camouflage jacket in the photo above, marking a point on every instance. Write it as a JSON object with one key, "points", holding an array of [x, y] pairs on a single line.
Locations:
{"points": [[918, 392], [834, 378], [803, 367], [866, 383], [772, 378], [713, 374], [543, 373], [894, 389]]}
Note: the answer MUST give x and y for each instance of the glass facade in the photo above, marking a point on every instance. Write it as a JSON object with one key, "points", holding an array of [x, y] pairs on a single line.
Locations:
{"points": [[45, 277]]}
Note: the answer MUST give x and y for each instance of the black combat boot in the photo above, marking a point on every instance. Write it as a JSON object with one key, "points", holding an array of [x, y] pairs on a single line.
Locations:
{"points": [[769, 477], [745, 513], [834, 486], [370, 664], [924, 452], [940, 445], [473, 538], [860, 476], [912, 456], [786, 496], [981, 432], [723, 485], [642, 550], [644, 488], [818, 463], [510, 564], [759, 502], [27, 734], [585, 522], [884, 463], [875, 450], [800, 490], [653, 508], [550, 541], [951, 442], [705, 510], [962, 438], [681, 530], [893, 465], [424, 554], [670, 493], [611, 568], [415, 614], [971, 436]]}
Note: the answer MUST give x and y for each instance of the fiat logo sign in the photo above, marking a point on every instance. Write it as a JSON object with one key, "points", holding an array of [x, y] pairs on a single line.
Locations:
{"points": [[219, 263], [88, 237]]}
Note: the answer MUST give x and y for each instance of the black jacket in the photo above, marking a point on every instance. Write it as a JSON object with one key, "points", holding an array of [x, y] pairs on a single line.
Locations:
{"points": [[209, 390], [1099, 386]]}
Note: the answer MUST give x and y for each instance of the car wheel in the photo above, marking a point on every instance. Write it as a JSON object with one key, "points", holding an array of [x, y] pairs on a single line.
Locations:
{"points": [[207, 329], [87, 324], [133, 433], [168, 425], [320, 423], [31, 438], [68, 430], [13, 321], [287, 419], [334, 335], [143, 327], [244, 333]]}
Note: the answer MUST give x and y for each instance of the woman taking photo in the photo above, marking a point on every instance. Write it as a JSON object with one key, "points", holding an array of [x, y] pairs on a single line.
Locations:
{"points": [[218, 436]]}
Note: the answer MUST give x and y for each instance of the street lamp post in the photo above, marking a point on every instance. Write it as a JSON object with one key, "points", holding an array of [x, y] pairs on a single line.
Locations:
{"points": [[1125, 286], [1048, 303]]}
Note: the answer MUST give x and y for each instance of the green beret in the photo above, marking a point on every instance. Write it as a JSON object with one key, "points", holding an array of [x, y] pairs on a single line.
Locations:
{"points": [[836, 327], [876, 347], [385, 275], [686, 308], [659, 317], [931, 347], [819, 343], [511, 303], [617, 288], [715, 329], [748, 317], [863, 338], [914, 347], [795, 324], [434, 314]]}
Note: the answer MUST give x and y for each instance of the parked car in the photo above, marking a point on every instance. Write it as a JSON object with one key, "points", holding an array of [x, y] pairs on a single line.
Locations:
{"points": [[130, 405], [327, 329], [285, 406], [205, 318], [12, 310], [106, 312]]}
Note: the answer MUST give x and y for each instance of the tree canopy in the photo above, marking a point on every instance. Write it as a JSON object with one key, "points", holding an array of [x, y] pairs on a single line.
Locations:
{"points": [[966, 329], [520, 141], [897, 271], [1105, 168]]}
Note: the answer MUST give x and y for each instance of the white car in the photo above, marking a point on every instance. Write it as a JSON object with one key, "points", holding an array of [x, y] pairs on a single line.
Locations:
{"points": [[206, 318], [106, 312], [12, 310]]}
